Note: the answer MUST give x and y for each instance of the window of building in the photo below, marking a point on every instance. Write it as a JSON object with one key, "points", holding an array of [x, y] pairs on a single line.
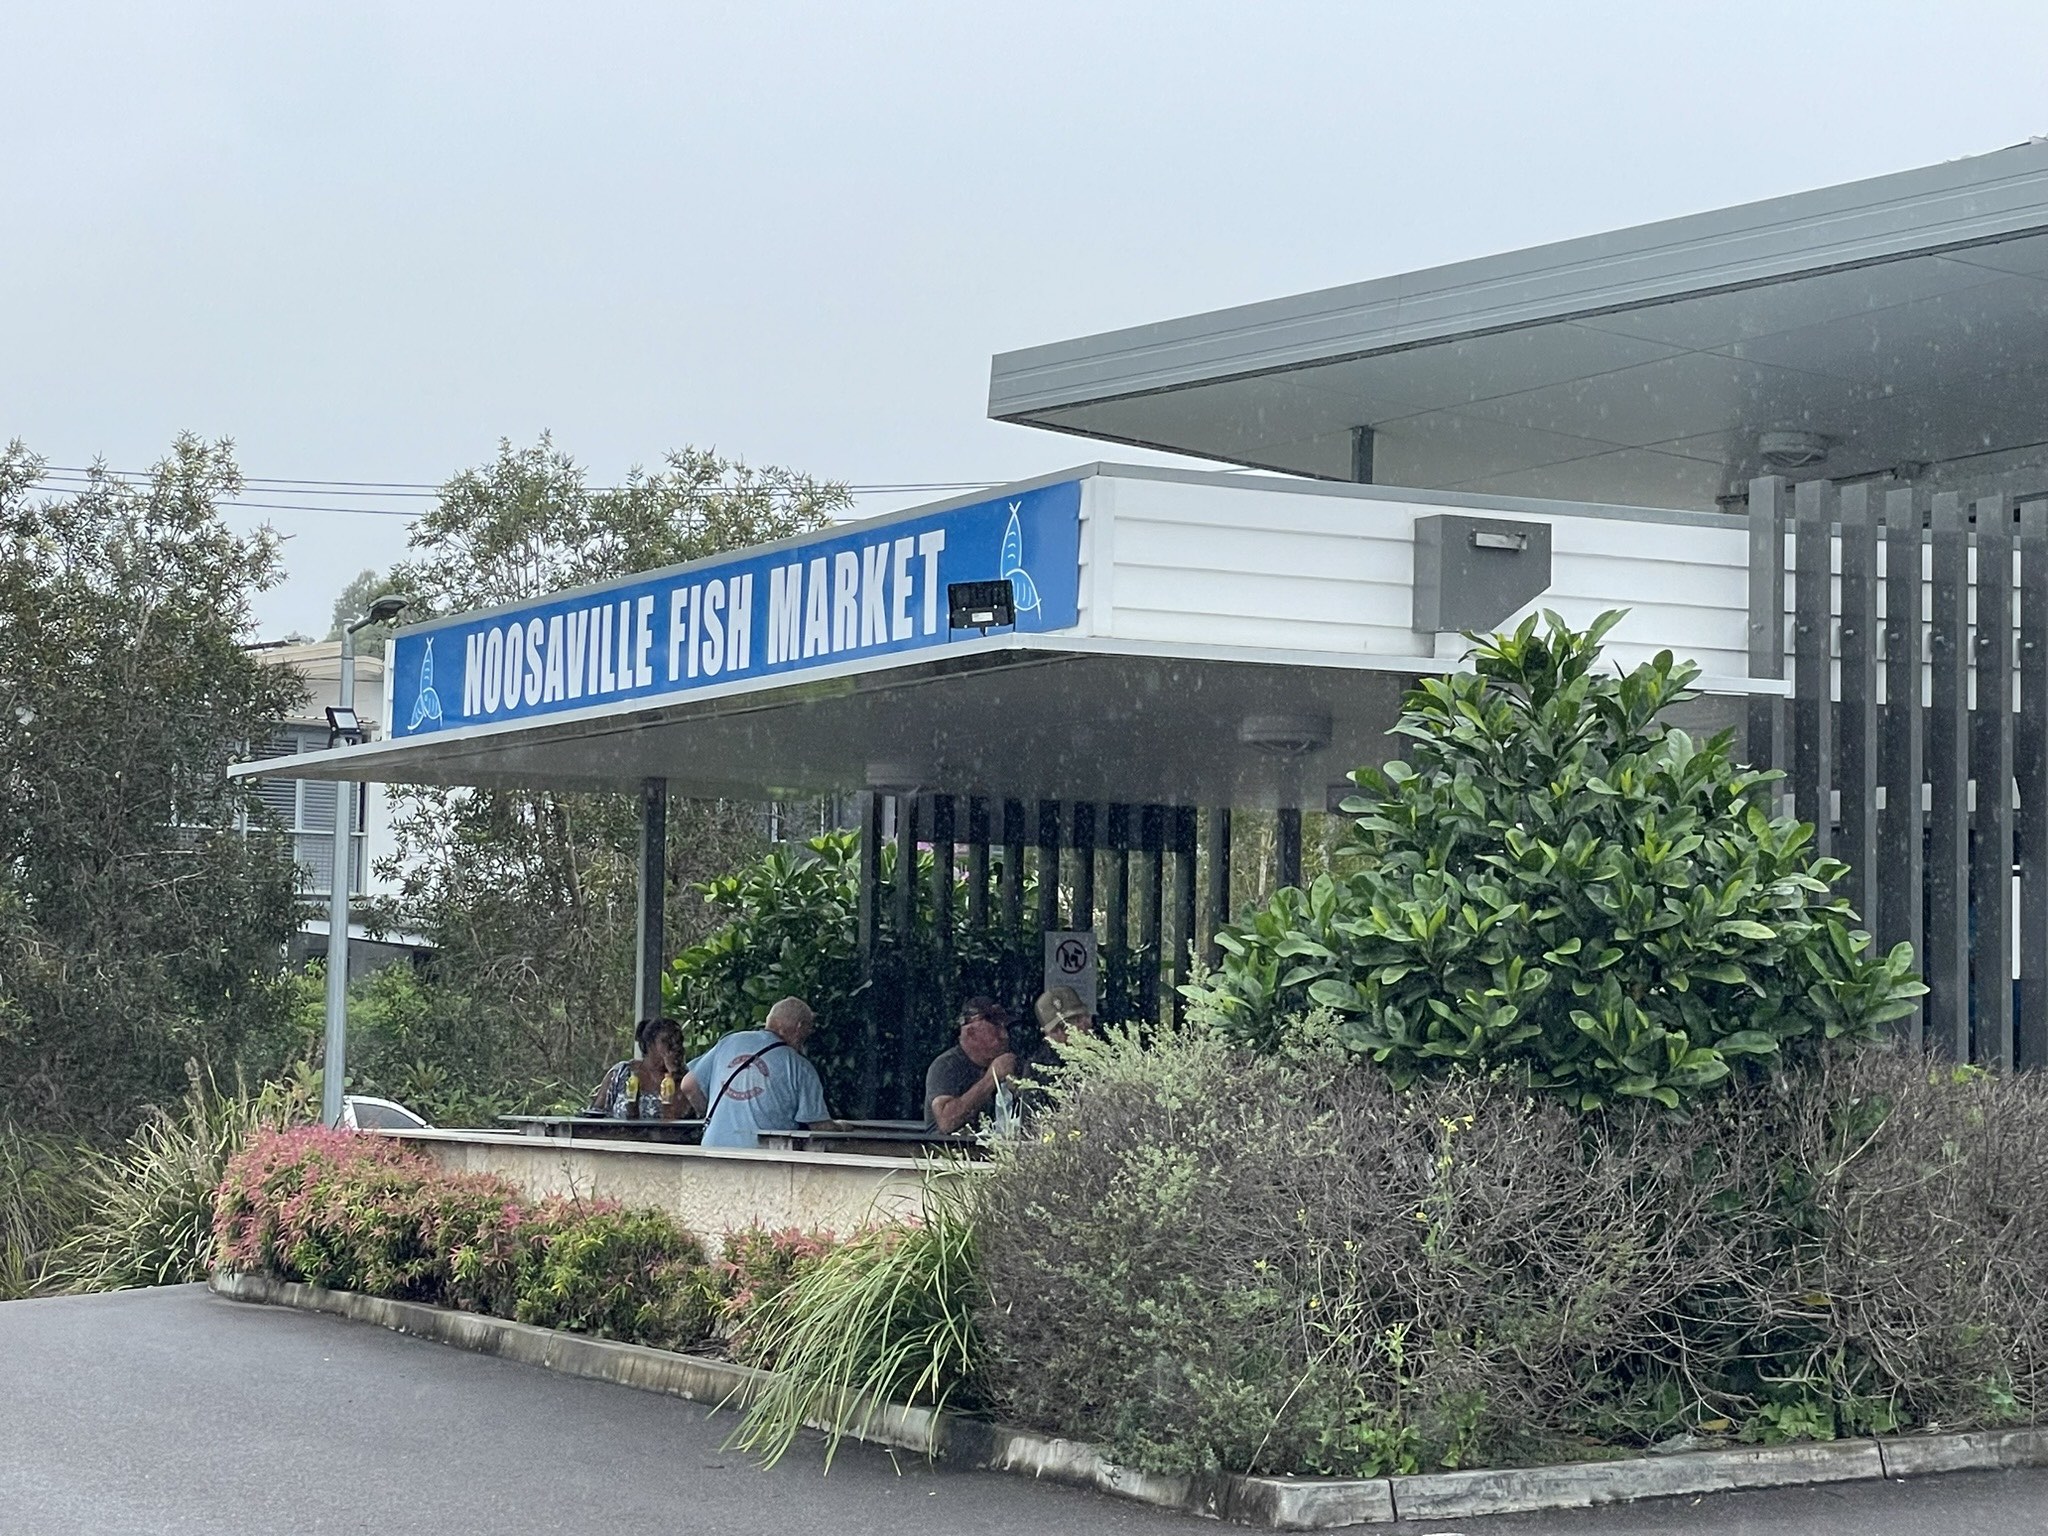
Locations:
{"points": [[305, 808]]}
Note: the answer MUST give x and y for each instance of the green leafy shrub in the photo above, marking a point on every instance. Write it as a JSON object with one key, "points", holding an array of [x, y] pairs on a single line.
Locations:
{"points": [[619, 1274], [148, 1208], [41, 1202], [887, 1316], [1563, 888], [363, 1213]]}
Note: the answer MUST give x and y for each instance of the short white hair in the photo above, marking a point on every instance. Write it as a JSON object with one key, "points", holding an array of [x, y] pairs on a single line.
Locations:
{"points": [[790, 1013]]}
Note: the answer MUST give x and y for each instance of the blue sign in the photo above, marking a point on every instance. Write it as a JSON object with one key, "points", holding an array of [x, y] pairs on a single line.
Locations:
{"points": [[872, 590]]}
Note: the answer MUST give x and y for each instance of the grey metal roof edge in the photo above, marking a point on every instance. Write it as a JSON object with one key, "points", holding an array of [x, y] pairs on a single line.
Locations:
{"points": [[1978, 200], [1532, 506], [726, 556]]}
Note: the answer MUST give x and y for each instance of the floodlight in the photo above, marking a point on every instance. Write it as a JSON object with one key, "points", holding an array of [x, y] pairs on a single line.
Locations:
{"points": [[982, 605], [342, 725]]}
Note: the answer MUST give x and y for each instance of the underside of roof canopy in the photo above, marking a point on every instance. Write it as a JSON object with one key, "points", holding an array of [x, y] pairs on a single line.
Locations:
{"points": [[1892, 327]]}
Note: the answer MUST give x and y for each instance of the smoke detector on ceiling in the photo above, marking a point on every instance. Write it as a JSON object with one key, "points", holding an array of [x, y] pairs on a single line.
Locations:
{"points": [[1793, 449]]}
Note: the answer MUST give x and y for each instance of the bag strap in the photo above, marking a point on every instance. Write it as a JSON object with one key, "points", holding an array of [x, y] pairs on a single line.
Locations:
{"points": [[733, 1077]]}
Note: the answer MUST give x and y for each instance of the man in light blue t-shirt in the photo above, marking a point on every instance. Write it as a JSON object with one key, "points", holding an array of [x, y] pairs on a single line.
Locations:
{"points": [[757, 1080]]}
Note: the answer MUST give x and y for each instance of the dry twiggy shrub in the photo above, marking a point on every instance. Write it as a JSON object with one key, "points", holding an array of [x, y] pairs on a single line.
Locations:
{"points": [[1215, 1261]]}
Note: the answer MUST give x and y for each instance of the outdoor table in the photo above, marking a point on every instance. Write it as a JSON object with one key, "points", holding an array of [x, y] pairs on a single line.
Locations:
{"points": [[606, 1128], [882, 1138]]}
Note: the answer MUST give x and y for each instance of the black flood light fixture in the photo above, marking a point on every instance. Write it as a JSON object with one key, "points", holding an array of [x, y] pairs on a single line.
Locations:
{"points": [[982, 605], [382, 611], [343, 725]]}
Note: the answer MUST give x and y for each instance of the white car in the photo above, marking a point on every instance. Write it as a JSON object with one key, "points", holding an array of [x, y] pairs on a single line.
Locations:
{"points": [[359, 1112]]}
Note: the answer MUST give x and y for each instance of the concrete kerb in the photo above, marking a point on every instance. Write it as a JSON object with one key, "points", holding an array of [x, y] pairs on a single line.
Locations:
{"points": [[1276, 1503]]}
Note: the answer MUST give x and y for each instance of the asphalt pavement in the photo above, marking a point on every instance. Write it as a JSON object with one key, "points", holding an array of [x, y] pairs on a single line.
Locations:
{"points": [[173, 1411]]}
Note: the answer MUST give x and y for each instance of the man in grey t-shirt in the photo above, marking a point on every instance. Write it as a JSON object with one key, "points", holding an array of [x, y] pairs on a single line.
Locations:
{"points": [[960, 1087], [757, 1080]]}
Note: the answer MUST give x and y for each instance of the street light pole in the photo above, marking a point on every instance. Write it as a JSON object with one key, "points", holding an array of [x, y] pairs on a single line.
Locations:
{"points": [[342, 719]]}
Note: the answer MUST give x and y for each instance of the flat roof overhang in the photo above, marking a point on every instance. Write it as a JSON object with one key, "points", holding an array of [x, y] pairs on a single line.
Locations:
{"points": [[1904, 319], [1017, 717]]}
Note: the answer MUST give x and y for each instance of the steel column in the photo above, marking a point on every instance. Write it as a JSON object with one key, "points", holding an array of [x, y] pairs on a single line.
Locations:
{"points": [[653, 895]]}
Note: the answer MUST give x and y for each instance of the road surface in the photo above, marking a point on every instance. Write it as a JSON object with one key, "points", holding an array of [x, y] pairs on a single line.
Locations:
{"points": [[173, 1411]]}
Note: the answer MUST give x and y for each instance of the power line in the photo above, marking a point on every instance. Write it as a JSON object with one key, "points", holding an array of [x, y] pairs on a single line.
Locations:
{"points": [[72, 479]]}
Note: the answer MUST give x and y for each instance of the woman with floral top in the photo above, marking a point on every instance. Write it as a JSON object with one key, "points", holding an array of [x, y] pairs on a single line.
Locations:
{"points": [[661, 1055]]}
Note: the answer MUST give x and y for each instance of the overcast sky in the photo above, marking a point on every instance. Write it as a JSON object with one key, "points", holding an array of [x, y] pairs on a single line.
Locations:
{"points": [[367, 243]]}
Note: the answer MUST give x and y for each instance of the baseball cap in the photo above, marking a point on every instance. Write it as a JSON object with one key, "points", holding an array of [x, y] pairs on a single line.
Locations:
{"points": [[1060, 1005]]}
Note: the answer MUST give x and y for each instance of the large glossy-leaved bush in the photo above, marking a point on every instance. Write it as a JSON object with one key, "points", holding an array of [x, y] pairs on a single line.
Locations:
{"points": [[1561, 887]]}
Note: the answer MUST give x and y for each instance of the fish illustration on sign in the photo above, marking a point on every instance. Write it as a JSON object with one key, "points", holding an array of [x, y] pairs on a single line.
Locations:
{"points": [[1021, 584], [426, 706]]}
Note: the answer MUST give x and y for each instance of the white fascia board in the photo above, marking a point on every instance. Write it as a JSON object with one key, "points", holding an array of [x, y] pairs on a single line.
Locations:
{"points": [[373, 763], [1975, 201]]}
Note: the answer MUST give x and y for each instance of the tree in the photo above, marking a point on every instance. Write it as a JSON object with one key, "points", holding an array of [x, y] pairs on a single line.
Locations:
{"points": [[140, 926], [530, 896], [1564, 889]]}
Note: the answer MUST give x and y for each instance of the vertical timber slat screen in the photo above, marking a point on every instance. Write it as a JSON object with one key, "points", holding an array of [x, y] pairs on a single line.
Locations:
{"points": [[1991, 770], [1915, 768], [1857, 846], [2030, 769], [1902, 838], [1813, 768], [1946, 959]]}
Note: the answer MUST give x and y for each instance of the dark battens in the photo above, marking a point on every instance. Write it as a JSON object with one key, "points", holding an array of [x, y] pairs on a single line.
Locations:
{"points": [[977, 864], [1991, 767], [1048, 865], [1767, 713], [1116, 914], [1184, 844], [1013, 866], [910, 1059], [1217, 886], [1812, 632], [942, 880], [1151, 889], [868, 917], [1946, 959], [1287, 846], [1083, 913], [1857, 770], [1902, 829], [2030, 770]]}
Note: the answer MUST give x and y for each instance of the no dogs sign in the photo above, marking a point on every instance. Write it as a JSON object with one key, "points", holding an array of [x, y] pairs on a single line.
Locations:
{"points": [[1070, 962]]}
